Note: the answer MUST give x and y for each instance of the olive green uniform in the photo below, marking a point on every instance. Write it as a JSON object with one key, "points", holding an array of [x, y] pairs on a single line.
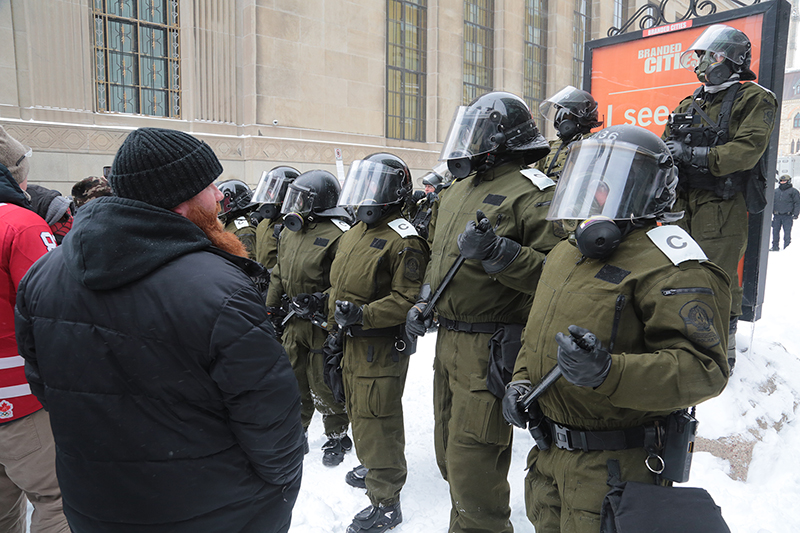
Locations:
{"points": [[304, 267], [244, 231], [669, 352], [554, 162], [472, 440], [378, 269], [720, 226], [267, 243]]}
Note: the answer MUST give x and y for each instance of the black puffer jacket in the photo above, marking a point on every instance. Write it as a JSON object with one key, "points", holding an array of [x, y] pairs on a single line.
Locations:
{"points": [[173, 406], [787, 200]]}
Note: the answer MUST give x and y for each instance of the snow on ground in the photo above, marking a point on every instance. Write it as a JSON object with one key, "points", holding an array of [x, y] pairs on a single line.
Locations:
{"points": [[758, 406]]}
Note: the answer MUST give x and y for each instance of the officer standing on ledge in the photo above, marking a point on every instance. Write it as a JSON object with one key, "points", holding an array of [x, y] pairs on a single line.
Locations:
{"points": [[636, 326], [717, 137]]}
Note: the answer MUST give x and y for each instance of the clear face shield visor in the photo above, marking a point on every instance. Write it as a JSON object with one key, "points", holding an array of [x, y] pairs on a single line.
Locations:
{"points": [[269, 189], [609, 179], [717, 43], [472, 133], [565, 98], [298, 200], [369, 183]]}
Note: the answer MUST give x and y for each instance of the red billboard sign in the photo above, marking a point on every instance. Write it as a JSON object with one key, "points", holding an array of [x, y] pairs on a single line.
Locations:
{"points": [[640, 82]]}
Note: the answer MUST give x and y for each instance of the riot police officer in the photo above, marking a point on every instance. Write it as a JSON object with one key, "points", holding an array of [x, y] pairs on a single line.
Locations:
{"points": [[718, 137], [633, 316], [435, 182], [269, 195], [493, 215], [375, 278], [235, 208], [574, 114], [314, 226]]}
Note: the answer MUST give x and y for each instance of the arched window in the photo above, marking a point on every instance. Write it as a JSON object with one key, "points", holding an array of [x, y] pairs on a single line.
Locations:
{"points": [[797, 120]]}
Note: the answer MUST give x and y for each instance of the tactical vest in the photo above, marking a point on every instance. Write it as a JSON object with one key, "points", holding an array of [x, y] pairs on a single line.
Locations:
{"points": [[713, 134]]}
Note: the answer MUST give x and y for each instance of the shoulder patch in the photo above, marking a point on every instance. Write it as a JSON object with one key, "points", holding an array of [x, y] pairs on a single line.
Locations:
{"points": [[241, 222], [698, 319], [538, 178], [403, 227], [341, 224], [676, 244], [412, 267]]}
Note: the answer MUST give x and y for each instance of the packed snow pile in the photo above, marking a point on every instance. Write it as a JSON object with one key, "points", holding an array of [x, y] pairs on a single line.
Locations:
{"points": [[757, 411], [748, 445]]}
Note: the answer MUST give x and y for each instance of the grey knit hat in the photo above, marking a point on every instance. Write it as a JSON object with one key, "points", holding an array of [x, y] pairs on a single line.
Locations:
{"points": [[162, 167], [13, 154]]}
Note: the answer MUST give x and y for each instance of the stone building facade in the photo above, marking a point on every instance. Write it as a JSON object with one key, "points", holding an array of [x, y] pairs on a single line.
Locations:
{"points": [[274, 82]]}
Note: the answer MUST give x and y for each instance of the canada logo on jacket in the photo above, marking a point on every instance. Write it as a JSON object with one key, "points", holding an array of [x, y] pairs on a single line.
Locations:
{"points": [[6, 409]]}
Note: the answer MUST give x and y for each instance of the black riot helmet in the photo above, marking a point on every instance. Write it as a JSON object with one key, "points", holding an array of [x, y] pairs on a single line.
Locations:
{"points": [[492, 129], [237, 197], [271, 190], [718, 53], [439, 177], [617, 177], [374, 185], [311, 196], [572, 111]]}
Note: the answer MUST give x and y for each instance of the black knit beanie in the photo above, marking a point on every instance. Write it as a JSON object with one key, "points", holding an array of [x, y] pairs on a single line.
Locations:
{"points": [[162, 167]]}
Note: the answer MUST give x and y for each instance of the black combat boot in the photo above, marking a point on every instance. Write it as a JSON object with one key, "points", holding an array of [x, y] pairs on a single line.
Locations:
{"points": [[375, 519], [357, 477], [334, 449]]}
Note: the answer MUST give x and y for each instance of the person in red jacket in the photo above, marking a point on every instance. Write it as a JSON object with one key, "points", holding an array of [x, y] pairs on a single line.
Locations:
{"points": [[27, 450]]}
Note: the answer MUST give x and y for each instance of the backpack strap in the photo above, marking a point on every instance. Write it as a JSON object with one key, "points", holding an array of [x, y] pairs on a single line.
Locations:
{"points": [[725, 111]]}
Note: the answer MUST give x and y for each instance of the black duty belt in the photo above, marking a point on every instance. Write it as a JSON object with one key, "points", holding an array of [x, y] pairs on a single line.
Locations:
{"points": [[392, 332], [469, 327], [589, 441], [783, 213]]}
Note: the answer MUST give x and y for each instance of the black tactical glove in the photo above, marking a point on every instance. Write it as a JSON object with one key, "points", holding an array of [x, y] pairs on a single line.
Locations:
{"points": [[305, 305], [432, 197], [332, 353], [415, 325], [700, 157], [480, 242], [347, 314], [681, 153], [512, 409], [582, 359]]}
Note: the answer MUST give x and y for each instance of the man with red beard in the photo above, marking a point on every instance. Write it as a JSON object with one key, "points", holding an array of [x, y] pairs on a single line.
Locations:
{"points": [[173, 406]]}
